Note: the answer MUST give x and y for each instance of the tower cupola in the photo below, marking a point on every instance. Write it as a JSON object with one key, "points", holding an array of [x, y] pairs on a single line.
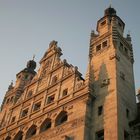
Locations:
{"points": [[110, 11], [109, 21], [26, 75], [31, 64]]}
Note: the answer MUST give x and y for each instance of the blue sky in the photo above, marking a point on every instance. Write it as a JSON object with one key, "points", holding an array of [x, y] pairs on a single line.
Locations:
{"points": [[28, 26]]}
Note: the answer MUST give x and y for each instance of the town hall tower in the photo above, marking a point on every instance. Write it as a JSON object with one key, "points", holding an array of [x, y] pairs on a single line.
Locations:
{"points": [[57, 103]]}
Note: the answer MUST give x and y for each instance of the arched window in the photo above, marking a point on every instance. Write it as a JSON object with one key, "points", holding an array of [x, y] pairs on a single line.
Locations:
{"points": [[19, 136], [31, 131], [45, 125], [8, 138], [61, 118]]}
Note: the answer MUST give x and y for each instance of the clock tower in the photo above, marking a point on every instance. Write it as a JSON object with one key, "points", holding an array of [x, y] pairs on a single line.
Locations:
{"points": [[111, 66]]}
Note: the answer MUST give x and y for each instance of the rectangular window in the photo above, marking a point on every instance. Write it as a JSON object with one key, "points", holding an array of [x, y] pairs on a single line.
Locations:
{"points": [[104, 44], [127, 113], [100, 135], [121, 46], [13, 119], [100, 110], [126, 136], [126, 50], [50, 99], [98, 48], [24, 112], [103, 23], [37, 106], [122, 75], [65, 92], [119, 24], [69, 138]]}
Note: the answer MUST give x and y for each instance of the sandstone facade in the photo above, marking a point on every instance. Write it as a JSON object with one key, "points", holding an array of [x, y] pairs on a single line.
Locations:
{"points": [[57, 103]]}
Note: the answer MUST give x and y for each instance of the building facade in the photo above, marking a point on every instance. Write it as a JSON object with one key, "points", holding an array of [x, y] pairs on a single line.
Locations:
{"points": [[57, 103]]}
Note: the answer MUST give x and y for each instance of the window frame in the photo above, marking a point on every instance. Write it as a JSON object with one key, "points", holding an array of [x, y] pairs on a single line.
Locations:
{"points": [[36, 107], [65, 92], [49, 100], [100, 110], [26, 113], [98, 47]]}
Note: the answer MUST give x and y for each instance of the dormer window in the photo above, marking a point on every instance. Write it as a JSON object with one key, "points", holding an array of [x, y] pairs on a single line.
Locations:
{"points": [[103, 23]]}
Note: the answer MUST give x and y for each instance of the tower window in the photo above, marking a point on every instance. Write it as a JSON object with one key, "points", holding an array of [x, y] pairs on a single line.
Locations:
{"points": [[24, 112], [65, 92], [126, 136], [121, 46], [98, 48], [122, 75], [50, 99], [26, 77], [103, 23], [37, 106], [69, 138], [119, 24], [100, 110], [13, 119], [127, 113], [100, 135], [126, 50], [104, 44]]}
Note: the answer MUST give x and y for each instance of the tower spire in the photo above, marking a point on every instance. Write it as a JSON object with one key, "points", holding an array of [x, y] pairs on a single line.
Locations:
{"points": [[110, 5]]}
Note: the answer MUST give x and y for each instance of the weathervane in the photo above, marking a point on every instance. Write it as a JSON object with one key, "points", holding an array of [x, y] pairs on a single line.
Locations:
{"points": [[33, 56], [110, 3]]}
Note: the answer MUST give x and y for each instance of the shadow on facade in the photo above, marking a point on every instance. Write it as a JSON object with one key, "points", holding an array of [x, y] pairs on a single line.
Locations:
{"points": [[101, 81]]}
